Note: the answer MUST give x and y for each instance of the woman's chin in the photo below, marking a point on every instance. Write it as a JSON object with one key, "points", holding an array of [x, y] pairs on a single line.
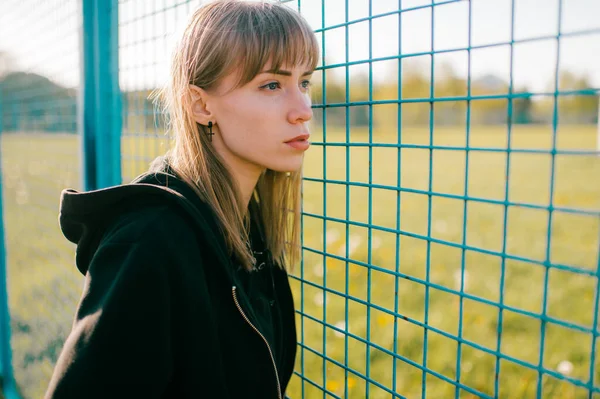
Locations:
{"points": [[288, 165], [287, 168]]}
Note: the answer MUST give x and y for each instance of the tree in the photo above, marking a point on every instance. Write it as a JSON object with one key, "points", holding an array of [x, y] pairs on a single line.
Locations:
{"points": [[522, 107]]}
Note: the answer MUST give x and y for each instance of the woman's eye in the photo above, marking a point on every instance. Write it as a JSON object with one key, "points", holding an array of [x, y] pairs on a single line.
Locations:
{"points": [[272, 86], [305, 84]]}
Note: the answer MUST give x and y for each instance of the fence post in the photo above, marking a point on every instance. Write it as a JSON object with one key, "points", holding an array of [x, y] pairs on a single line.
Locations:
{"points": [[6, 367], [100, 101]]}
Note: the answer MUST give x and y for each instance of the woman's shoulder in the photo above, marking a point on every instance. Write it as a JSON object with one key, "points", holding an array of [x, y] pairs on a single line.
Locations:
{"points": [[144, 215], [150, 225], [154, 240]]}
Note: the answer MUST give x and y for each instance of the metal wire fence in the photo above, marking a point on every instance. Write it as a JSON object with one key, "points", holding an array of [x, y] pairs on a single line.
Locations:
{"points": [[39, 83], [451, 201]]}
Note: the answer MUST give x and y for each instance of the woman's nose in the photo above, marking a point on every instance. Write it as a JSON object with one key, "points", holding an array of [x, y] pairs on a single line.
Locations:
{"points": [[301, 110]]}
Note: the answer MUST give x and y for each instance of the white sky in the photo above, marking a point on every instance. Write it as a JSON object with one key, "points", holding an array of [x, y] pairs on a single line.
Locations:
{"points": [[43, 37]]}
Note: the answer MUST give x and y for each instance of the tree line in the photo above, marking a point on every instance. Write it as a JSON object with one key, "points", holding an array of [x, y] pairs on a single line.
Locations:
{"points": [[488, 99]]}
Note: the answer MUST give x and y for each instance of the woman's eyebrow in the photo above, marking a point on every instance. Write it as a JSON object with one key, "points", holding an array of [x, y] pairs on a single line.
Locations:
{"points": [[284, 72]]}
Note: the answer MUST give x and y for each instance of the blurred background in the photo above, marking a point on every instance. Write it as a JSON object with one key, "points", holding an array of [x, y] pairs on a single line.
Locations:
{"points": [[451, 198]]}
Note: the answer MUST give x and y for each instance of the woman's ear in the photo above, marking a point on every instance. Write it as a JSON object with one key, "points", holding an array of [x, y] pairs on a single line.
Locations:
{"points": [[198, 106]]}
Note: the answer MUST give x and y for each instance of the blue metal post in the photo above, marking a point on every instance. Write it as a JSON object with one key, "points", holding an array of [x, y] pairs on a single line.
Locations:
{"points": [[6, 367], [100, 110], [108, 167], [87, 106]]}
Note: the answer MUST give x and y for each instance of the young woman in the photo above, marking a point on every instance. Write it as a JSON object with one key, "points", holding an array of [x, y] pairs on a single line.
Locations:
{"points": [[186, 292]]}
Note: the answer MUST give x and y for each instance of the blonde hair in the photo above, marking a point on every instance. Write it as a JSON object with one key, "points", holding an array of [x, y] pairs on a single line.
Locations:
{"points": [[222, 37]]}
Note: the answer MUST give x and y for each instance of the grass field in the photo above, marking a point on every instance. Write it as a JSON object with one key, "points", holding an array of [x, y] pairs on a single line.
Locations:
{"points": [[44, 286]]}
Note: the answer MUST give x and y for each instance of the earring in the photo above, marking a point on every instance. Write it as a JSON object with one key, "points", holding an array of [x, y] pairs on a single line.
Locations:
{"points": [[210, 132]]}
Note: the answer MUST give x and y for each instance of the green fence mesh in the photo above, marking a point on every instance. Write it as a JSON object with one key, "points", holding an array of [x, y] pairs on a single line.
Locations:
{"points": [[451, 198]]}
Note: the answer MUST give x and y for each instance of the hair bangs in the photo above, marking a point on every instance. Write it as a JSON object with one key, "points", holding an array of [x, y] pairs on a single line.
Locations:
{"points": [[275, 35]]}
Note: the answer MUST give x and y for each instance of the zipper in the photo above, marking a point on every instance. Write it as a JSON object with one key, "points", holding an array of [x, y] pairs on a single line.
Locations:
{"points": [[237, 304]]}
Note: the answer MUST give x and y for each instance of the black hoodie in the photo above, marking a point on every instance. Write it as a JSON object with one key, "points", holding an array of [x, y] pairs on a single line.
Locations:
{"points": [[165, 311]]}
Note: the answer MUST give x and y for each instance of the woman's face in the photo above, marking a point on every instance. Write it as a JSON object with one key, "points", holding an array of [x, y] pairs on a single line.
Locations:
{"points": [[255, 122]]}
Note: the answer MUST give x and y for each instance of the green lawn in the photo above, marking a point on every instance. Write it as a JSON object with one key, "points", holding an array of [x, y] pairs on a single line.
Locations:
{"points": [[44, 286]]}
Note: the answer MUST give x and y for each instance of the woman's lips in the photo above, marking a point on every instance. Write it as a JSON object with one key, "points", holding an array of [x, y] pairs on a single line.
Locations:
{"points": [[299, 144]]}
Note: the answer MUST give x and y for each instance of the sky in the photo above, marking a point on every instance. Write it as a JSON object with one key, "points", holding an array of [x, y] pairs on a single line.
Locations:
{"points": [[43, 37]]}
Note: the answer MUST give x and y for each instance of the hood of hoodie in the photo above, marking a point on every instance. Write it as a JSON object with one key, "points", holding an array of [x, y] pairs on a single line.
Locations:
{"points": [[84, 216]]}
